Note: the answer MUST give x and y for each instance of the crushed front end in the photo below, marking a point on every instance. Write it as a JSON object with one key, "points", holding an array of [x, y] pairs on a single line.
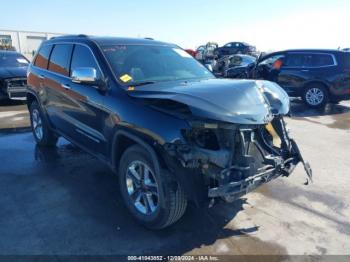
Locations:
{"points": [[234, 159], [234, 138]]}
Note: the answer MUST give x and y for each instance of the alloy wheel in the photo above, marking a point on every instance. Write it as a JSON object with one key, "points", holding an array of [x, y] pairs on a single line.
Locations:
{"points": [[142, 187], [37, 124], [314, 96]]}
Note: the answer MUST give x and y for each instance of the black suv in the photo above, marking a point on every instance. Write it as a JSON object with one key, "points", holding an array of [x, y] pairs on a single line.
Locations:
{"points": [[13, 75], [317, 76], [171, 131], [235, 48]]}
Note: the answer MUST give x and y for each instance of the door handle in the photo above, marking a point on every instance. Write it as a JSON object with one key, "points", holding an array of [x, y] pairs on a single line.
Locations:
{"points": [[41, 76], [67, 87], [305, 70]]}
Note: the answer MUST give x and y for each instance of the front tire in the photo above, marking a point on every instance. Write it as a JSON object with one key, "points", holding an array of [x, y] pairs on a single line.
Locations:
{"points": [[41, 131], [315, 96], [155, 200]]}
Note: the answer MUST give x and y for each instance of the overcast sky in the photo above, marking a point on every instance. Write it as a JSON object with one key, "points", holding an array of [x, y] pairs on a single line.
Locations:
{"points": [[267, 24]]}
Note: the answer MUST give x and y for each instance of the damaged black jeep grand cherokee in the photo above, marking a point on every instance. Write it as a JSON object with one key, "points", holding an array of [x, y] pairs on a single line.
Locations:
{"points": [[171, 131]]}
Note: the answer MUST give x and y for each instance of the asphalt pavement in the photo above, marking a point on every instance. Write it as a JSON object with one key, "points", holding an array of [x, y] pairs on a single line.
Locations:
{"points": [[63, 201]]}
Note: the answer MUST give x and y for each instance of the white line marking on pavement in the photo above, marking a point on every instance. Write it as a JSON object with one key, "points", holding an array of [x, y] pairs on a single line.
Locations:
{"points": [[12, 113]]}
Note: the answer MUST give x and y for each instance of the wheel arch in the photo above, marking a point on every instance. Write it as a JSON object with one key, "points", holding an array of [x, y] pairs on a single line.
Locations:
{"points": [[31, 97], [123, 139], [317, 82]]}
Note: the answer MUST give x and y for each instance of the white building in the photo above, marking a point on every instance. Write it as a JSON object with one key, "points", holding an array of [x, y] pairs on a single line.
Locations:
{"points": [[25, 42]]}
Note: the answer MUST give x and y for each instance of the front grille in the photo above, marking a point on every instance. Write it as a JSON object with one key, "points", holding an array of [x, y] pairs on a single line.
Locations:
{"points": [[17, 82]]}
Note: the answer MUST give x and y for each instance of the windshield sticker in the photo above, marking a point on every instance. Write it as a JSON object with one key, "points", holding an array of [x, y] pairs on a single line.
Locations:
{"points": [[182, 52], [22, 61], [125, 78], [114, 48]]}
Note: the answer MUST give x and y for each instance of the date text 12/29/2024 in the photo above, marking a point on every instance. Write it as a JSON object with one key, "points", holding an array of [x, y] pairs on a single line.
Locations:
{"points": [[173, 258]]}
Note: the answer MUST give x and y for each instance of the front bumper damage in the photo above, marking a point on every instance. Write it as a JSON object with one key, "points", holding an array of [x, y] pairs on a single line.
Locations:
{"points": [[278, 167], [239, 158]]}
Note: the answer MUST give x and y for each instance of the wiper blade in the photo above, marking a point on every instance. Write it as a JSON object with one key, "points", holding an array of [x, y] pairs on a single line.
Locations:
{"points": [[142, 83]]}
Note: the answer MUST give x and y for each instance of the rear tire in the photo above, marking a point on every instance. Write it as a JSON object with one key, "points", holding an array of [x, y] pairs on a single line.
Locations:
{"points": [[41, 130], [315, 96], [155, 200]]}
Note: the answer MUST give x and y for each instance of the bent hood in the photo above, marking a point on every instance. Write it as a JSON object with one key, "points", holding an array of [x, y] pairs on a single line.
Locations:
{"points": [[10, 72], [233, 101]]}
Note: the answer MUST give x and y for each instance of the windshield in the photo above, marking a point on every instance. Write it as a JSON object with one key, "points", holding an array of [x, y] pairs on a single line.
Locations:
{"points": [[12, 60], [134, 64]]}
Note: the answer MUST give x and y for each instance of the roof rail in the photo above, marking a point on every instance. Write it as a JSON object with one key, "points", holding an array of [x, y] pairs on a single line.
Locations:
{"points": [[68, 36]]}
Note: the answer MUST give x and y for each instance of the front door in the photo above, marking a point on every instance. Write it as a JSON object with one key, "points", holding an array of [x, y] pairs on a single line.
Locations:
{"points": [[87, 114], [295, 70]]}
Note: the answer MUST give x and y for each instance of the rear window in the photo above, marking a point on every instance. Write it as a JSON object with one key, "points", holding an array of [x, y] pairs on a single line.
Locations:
{"points": [[60, 58], [42, 59], [322, 60]]}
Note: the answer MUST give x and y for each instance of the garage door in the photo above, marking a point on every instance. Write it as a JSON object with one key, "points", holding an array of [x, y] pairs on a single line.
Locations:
{"points": [[33, 42]]}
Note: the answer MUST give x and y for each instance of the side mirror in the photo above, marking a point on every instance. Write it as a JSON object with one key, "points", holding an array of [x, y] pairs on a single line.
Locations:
{"points": [[88, 76], [84, 75]]}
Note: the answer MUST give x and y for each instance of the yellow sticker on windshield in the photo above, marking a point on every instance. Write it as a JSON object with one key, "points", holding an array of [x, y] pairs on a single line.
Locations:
{"points": [[125, 78]]}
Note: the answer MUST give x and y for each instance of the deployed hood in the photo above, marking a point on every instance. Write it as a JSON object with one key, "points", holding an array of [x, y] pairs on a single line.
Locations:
{"points": [[11, 72], [233, 101]]}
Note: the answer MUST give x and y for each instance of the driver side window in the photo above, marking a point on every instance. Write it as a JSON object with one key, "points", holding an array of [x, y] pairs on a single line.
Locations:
{"points": [[82, 57]]}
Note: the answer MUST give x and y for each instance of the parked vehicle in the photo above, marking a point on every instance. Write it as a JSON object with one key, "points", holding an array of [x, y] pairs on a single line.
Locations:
{"points": [[200, 52], [171, 131], [235, 48], [191, 52], [6, 43], [317, 76], [235, 66], [13, 78], [205, 53]]}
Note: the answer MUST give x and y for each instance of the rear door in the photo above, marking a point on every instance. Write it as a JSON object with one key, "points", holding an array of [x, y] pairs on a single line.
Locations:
{"points": [[37, 72], [57, 92], [303, 67]]}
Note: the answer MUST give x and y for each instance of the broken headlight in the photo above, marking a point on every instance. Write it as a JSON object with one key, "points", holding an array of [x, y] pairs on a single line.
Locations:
{"points": [[204, 138]]}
